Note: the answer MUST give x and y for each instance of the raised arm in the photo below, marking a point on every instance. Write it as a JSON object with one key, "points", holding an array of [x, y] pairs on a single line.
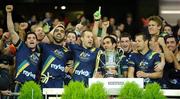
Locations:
{"points": [[22, 27], [10, 25], [50, 34], [105, 25], [97, 17]]}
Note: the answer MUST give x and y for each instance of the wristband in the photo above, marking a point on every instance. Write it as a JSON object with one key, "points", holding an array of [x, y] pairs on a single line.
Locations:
{"points": [[96, 19]]}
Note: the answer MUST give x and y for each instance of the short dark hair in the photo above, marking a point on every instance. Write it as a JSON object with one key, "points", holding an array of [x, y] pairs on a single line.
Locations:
{"points": [[28, 33], [113, 40], [170, 36], [167, 25], [62, 26], [125, 34], [145, 36], [68, 32]]}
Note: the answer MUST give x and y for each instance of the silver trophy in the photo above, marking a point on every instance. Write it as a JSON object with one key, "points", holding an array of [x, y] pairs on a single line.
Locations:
{"points": [[112, 62]]}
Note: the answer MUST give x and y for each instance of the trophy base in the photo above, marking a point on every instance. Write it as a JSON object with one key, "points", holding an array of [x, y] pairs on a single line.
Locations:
{"points": [[110, 75], [110, 68]]}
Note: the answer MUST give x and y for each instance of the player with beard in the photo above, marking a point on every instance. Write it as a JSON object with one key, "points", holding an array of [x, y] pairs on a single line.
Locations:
{"points": [[54, 59], [27, 55]]}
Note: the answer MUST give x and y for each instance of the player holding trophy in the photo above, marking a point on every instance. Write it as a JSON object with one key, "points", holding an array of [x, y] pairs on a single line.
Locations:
{"points": [[114, 65]]}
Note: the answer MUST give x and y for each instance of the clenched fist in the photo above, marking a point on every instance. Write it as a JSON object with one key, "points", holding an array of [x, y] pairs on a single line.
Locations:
{"points": [[105, 24], [23, 26], [9, 8]]}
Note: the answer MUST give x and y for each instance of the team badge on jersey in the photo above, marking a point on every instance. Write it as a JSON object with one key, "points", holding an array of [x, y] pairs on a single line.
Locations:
{"points": [[84, 56], [34, 58], [59, 53], [143, 65]]}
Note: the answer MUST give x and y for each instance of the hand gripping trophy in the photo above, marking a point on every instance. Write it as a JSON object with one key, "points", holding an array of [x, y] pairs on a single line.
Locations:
{"points": [[112, 63]]}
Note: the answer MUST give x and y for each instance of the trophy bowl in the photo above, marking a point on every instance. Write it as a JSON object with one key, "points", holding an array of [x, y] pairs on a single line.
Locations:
{"points": [[112, 59]]}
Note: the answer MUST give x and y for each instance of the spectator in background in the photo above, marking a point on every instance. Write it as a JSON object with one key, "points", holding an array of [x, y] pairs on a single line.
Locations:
{"points": [[130, 26], [175, 28], [33, 20], [112, 22], [121, 27], [55, 22], [48, 18], [144, 25], [168, 29]]}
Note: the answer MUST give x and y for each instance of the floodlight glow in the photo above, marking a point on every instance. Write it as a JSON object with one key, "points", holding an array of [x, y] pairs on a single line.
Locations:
{"points": [[63, 7], [170, 12]]}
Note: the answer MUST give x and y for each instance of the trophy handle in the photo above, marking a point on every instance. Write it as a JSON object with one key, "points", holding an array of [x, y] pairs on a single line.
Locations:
{"points": [[120, 50], [120, 53], [98, 59]]}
